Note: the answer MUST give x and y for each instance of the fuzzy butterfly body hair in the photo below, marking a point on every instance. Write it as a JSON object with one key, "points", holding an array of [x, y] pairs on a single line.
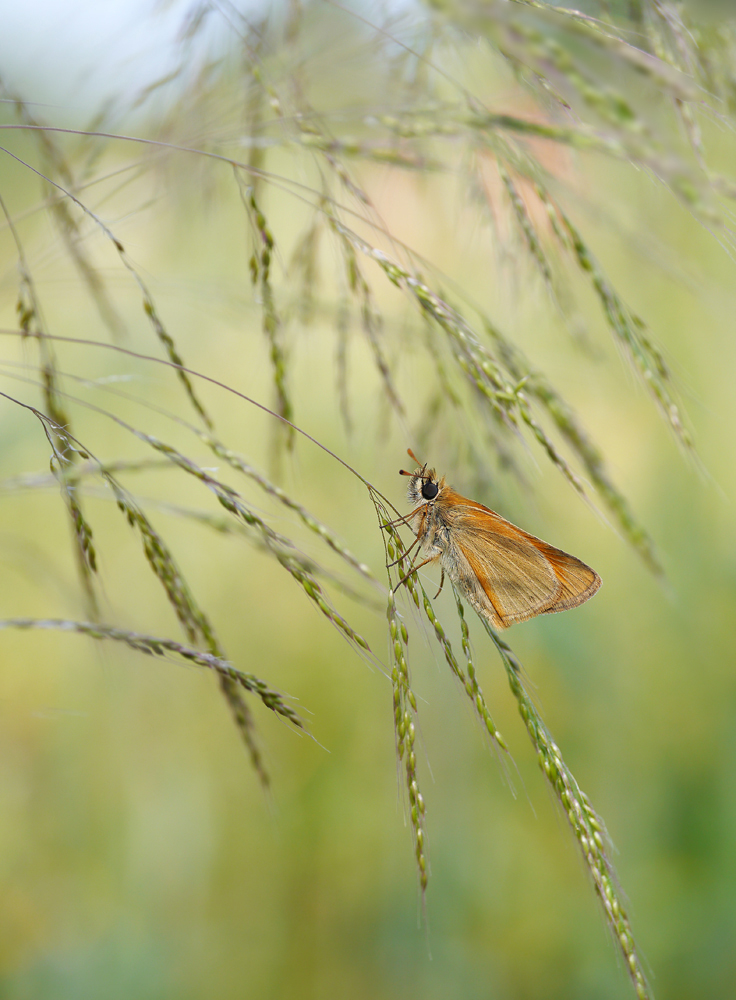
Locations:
{"points": [[506, 574]]}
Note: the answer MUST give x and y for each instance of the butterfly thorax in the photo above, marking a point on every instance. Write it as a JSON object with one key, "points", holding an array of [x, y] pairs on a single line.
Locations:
{"points": [[433, 518]]}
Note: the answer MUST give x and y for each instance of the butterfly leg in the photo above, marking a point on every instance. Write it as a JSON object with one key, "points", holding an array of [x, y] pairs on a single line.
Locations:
{"points": [[413, 570], [399, 520], [404, 553], [442, 583]]}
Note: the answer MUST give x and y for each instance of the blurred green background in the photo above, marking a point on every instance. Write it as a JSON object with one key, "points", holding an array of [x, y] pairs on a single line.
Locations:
{"points": [[139, 855]]}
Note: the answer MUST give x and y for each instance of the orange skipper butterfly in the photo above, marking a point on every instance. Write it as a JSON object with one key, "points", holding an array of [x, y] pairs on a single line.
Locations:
{"points": [[507, 575]]}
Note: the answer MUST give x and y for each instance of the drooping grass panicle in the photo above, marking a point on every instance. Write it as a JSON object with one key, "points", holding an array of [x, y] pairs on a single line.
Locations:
{"points": [[404, 699], [222, 525], [370, 317], [222, 452], [56, 164], [28, 309], [273, 326], [537, 386], [301, 567], [590, 88], [468, 677], [64, 198], [166, 648], [193, 619], [586, 825], [225, 387], [316, 526], [405, 710], [482, 370], [279, 546], [64, 448], [194, 624], [569, 46], [629, 330]]}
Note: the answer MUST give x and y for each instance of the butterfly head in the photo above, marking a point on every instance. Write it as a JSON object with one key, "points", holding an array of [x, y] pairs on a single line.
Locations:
{"points": [[425, 485]]}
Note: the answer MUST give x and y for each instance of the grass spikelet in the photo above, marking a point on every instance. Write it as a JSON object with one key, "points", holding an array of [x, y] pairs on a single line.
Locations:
{"points": [[470, 681], [405, 710], [195, 623], [404, 699], [586, 825], [58, 423], [309, 520], [279, 546], [160, 647], [260, 265], [193, 620], [537, 386], [477, 364], [172, 353], [525, 224], [481, 369], [57, 164], [370, 318], [629, 330]]}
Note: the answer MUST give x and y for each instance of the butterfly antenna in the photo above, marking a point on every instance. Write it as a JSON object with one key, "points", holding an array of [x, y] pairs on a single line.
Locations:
{"points": [[421, 475]]}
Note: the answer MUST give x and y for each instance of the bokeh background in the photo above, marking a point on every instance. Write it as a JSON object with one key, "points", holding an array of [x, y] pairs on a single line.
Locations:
{"points": [[139, 855]]}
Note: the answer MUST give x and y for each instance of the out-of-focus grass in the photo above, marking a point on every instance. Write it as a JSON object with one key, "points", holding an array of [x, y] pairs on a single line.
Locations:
{"points": [[138, 854]]}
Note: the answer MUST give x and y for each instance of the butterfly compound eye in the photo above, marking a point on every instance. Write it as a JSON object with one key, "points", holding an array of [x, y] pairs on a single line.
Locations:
{"points": [[430, 490]]}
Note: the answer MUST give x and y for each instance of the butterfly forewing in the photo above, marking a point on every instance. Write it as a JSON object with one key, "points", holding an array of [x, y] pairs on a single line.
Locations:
{"points": [[520, 576], [578, 581]]}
